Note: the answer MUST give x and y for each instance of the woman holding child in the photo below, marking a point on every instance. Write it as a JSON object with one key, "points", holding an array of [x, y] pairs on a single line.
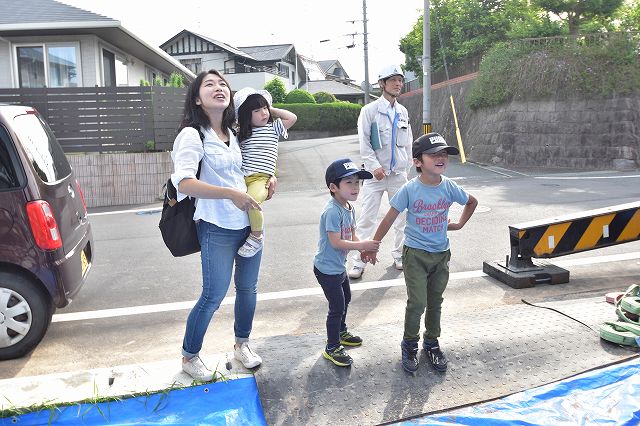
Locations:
{"points": [[207, 143]]}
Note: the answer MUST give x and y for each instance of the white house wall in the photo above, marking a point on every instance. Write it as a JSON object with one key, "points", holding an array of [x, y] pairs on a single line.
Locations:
{"points": [[256, 80], [90, 59], [5, 64]]}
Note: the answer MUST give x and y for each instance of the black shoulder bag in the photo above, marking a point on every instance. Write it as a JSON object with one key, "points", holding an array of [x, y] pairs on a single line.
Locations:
{"points": [[177, 226]]}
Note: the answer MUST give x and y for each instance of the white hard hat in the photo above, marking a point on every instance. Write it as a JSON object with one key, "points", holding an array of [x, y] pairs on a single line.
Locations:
{"points": [[242, 95], [390, 71]]}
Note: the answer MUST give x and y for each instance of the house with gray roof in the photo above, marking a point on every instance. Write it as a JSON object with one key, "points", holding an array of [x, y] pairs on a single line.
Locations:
{"points": [[342, 90], [243, 66], [44, 43], [333, 70]]}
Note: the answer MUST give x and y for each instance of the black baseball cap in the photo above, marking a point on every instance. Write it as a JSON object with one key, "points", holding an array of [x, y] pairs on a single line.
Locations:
{"points": [[343, 168], [430, 144]]}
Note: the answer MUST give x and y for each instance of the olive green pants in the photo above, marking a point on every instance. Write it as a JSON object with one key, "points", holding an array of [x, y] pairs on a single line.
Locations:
{"points": [[426, 276]]}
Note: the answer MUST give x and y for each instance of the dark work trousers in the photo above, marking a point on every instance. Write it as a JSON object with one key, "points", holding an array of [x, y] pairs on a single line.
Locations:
{"points": [[338, 292]]}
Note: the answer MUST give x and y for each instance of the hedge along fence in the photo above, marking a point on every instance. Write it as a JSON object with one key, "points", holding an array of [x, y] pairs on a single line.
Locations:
{"points": [[329, 116]]}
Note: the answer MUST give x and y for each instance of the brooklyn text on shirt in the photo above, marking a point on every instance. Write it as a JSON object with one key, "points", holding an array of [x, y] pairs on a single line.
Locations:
{"points": [[420, 205]]}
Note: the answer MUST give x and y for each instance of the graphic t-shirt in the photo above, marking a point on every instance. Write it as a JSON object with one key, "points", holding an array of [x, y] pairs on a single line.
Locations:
{"points": [[260, 150], [428, 212], [334, 218]]}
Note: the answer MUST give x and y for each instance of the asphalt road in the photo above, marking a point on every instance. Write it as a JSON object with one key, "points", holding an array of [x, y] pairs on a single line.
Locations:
{"points": [[134, 305]]}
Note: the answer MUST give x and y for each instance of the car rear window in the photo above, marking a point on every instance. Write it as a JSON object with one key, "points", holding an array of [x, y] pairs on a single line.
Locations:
{"points": [[41, 147], [8, 176]]}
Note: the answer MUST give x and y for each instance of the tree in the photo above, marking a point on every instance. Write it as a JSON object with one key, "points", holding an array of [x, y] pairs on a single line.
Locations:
{"points": [[276, 87], [577, 13], [630, 16], [468, 28]]}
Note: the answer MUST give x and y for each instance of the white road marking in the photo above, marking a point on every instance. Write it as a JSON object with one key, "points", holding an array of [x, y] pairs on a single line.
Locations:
{"points": [[311, 291], [584, 177], [152, 209]]}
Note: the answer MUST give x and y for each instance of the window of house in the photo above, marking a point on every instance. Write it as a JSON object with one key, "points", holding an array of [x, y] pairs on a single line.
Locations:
{"points": [[49, 65], [114, 69], [194, 64], [283, 69]]}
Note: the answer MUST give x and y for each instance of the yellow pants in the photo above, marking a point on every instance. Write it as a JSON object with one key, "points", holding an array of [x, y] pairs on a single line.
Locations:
{"points": [[256, 187]]}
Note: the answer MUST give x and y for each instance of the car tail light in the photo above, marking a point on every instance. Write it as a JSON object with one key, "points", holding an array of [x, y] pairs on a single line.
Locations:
{"points": [[81, 196], [43, 225]]}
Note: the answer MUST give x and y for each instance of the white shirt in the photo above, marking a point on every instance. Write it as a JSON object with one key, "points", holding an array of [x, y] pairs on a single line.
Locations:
{"points": [[374, 159], [220, 167]]}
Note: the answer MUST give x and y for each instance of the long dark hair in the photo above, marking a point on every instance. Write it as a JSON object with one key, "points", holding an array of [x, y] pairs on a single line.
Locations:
{"points": [[253, 102], [194, 115]]}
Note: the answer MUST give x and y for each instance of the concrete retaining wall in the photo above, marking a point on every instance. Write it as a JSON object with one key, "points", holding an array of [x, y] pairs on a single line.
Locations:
{"points": [[576, 134], [137, 178]]}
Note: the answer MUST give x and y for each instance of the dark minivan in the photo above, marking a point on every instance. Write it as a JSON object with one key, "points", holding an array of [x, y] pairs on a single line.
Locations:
{"points": [[46, 245]]}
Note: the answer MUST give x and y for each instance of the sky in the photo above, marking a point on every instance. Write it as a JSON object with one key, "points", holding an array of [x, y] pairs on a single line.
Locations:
{"points": [[303, 23]]}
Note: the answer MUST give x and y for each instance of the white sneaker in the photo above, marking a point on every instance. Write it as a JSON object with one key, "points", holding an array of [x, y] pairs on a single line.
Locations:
{"points": [[246, 356], [398, 263], [251, 246], [355, 272], [196, 369]]}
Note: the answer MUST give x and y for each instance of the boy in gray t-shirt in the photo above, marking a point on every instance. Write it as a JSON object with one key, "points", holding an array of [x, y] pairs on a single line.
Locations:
{"points": [[426, 254], [337, 238]]}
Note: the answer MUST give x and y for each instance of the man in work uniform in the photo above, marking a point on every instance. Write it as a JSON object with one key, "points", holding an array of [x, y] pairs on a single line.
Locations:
{"points": [[385, 146]]}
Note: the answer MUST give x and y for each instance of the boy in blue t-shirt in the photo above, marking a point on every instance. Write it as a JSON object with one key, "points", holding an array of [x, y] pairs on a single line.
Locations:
{"points": [[426, 254], [337, 238]]}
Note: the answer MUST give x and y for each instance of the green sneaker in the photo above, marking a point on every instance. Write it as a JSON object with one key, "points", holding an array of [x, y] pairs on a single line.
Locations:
{"points": [[348, 339], [338, 356]]}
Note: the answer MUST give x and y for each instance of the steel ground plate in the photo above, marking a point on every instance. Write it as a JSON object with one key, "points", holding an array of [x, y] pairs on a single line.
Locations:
{"points": [[492, 353]]}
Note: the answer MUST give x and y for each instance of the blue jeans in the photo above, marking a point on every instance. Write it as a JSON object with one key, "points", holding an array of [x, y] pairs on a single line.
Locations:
{"points": [[338, 293], [218, 255]]}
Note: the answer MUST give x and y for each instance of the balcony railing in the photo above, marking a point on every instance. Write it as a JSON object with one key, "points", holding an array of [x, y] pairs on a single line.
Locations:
{"points": [[250, 68]]}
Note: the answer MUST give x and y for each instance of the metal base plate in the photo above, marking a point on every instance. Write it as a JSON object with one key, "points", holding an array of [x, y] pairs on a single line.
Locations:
{"points": [[492, 353], [546, 274]]}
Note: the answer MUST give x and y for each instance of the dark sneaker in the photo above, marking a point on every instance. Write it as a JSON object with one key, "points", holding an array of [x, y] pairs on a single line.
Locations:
{"points": [[338, 356], [435, 356], [409, 356], [349, 339]]}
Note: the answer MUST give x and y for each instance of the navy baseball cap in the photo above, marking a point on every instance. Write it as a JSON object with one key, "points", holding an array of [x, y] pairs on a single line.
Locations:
{"points": [[343, 168], [430, 144]]}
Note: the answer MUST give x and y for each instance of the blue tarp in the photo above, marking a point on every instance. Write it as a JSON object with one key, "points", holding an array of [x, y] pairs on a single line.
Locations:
{"points": [[607, 396], [235, 402]]}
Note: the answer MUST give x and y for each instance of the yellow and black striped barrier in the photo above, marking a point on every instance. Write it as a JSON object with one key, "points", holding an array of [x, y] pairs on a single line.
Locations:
{"points": [[560, 236]]}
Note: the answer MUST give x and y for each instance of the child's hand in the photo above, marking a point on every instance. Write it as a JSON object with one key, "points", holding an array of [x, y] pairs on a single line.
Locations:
{"points": [[369, 245], [369, 256], [271, 186]]}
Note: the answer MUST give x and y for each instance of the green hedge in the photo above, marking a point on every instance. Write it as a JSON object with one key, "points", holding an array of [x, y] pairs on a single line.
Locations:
{"points": [[329, 116], [299, 96]]}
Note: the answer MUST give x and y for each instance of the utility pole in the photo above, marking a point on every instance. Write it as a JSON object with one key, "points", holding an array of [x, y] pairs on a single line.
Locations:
{"points": [[426, 71], [366, 53]]}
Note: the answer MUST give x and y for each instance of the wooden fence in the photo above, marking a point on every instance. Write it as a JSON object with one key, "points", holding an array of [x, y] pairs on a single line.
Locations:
{"points": [[106, 119]]}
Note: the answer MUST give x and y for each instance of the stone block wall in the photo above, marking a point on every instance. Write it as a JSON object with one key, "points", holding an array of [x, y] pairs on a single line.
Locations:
{"points": [[576, 134], [121, 179]]}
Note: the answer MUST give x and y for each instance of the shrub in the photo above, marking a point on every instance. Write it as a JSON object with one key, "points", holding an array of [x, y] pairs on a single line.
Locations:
{"points": [[565, 68], [275, 86], [176, 80], [329, 116], [299, 96], [324, 97]]}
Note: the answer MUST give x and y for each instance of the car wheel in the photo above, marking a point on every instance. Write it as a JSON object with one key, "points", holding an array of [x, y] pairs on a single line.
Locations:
{"points": [[25, 315]]}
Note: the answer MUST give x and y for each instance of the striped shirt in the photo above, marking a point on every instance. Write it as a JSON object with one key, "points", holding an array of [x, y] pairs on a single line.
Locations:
{"points": [[260, 150]]}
